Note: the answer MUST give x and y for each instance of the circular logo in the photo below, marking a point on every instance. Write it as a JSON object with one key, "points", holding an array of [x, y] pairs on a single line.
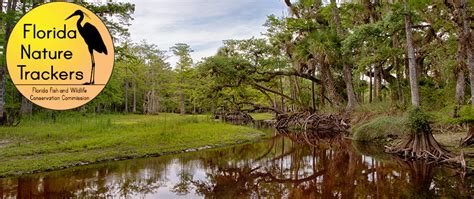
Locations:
{"points": [[60, 55]]}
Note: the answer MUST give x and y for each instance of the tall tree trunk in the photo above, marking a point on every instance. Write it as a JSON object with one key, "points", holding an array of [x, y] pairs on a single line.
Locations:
{"points": [[468, 46], [376, 83], [156, 97], [460, 62], [347, 71], [370, 86], [459, 73], [275, 102], [11, 6], [297, 93], [460, 88], [134, 88], [182, 111], [313, 98], [407, 68], [126, 92], [361, 93], [151, 103], [470, 65], [396, 62], [396, 65], [2, 68], [293, 92], [351, 97], [26, 107], [321, 95], [154, 94], [415, 95], [329, 81], [283, 107], [379, 83]]}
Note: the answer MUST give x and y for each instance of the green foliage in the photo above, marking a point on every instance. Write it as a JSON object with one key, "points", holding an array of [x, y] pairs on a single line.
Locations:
{"points": [[419, 121], [436, 96], [376, 107], [139, 69], [117, 16], [466, 115], [235, 76], [265, 70], [261, 116], [183, 51]]}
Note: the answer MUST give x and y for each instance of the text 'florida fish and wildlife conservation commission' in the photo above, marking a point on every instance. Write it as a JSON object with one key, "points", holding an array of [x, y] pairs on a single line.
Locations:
{"points": [[60, 55]]}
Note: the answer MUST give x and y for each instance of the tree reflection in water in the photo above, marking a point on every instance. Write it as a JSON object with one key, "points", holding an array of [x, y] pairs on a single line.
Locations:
{"points": [[289, 165]]}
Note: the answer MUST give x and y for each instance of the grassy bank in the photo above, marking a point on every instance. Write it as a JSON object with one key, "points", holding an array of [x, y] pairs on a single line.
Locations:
{"points": [[382, 128], [262, 116], [42, 143], [381, 124]]}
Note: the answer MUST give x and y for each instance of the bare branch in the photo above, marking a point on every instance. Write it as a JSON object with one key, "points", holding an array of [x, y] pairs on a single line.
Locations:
{"points": [[272, 91]]}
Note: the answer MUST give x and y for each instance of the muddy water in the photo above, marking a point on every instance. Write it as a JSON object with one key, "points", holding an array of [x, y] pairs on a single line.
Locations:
{"points": [[275, 168]]}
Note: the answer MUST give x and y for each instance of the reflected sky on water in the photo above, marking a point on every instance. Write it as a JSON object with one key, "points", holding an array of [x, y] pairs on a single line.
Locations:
{"points": [[280, 167]]}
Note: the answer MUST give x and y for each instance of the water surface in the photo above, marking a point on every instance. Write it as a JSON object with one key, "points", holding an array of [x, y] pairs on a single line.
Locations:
{"points": [[278, 168]]}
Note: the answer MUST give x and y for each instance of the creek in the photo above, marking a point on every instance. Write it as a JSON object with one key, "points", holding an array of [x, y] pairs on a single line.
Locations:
{"points": [[279, 167]]}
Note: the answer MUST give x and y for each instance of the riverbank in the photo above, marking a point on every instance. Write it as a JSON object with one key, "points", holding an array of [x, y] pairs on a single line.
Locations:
{"points": [[382, 123], [44, 143]]}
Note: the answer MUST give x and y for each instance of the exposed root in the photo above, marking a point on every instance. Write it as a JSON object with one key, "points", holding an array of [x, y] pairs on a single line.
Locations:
{"points": [[457, 160], [237, 117], [294, 121], [312, 122], [422, 145], [469, 139]]}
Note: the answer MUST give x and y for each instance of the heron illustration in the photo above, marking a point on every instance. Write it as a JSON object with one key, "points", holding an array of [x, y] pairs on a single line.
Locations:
{"points": [[93, 40]]}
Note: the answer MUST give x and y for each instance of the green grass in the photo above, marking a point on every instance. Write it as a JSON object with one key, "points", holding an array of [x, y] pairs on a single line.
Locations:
{"points": [[381, 128], [40, 144], [261, 116]]}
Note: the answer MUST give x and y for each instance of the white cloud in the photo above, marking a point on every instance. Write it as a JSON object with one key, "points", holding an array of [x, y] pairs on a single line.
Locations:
{"points": [[202, 24]]}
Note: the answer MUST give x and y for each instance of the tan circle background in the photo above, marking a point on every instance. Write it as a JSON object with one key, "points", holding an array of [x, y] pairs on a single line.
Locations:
{"points": [[46, 17]]}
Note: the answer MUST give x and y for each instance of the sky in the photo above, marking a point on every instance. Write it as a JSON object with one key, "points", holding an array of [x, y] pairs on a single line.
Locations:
{"points": [[203, 24]]}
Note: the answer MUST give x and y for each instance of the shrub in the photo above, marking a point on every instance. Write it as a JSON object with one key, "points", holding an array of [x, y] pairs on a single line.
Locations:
{"points": [[381, 128], [419, 121], [466, 114]]}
